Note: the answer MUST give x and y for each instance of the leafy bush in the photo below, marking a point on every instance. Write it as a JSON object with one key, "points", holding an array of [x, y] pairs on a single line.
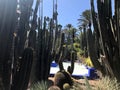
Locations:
{"points": [[76, 47]]}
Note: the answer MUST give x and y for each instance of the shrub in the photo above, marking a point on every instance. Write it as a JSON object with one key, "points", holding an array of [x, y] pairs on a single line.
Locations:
{"points": [[107, 83], [76, 47]]}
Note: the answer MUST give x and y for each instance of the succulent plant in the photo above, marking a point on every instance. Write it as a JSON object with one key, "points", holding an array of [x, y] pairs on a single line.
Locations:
{"points": [[54, 88], [107, 83], [43, 85], [63, 80]]}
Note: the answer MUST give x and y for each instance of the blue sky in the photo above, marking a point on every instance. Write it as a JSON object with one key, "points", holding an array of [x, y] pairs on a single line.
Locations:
{"points": [[68, 10]]}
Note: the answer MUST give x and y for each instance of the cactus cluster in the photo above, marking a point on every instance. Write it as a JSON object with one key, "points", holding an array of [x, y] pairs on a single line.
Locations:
{"points": [[49, 48], [63, 80], [24, 41], [107, 34]]}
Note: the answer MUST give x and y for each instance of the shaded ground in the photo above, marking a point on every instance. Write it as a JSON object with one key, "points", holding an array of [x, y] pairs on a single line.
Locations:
{"points": [[82, 82]]}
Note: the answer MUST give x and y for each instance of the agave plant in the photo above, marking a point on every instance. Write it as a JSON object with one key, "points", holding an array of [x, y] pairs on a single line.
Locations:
{"points": [[107, 83], [43, 85]]}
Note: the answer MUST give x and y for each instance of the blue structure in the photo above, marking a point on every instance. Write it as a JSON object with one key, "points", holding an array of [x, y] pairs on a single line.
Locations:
{"points": [[54, 64], [79, 70]]}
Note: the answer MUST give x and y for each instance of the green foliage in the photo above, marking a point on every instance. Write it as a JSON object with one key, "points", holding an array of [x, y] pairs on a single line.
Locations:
{"points": [[76, 47], [81, 52], [85, 18], [88, 62], [84, 22]]}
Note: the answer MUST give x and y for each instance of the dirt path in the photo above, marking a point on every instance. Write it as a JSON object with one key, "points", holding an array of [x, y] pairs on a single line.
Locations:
{"points": [[82, 82]]}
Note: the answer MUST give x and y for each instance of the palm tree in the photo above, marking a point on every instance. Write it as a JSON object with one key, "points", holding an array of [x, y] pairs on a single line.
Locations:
{"points": [[88, 41], [84, 22], [85, 19], [68, 33], [69, 26]]}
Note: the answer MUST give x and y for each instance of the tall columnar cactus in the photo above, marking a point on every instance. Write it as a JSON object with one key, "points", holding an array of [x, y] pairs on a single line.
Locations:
{"points": [[23, 54], [60, 56], [16, 57], [46, 52], [108, 28], [25, 9], [73, 53], [21, 78], [7, 27], [50, 45], [71, 68], [32, 34], [92, 49]]}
